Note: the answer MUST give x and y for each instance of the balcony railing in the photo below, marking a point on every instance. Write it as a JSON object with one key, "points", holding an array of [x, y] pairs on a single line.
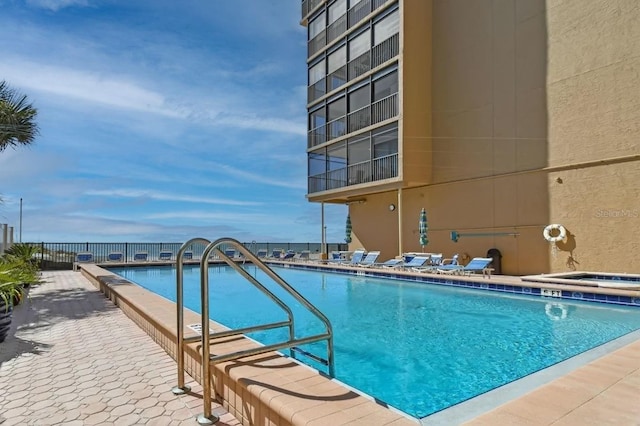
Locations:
{"points": [[337, 78], [336, 28], [359, 119], [308, 6], [337, 178], [367, 171], [385, 167], [317, 90], [359, 66], [386, 50], [384, 109], [317, 43], [363, 8], [377, 112]]}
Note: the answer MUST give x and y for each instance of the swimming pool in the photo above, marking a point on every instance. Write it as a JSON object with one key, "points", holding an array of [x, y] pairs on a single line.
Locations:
{"points": [[420, 348]]}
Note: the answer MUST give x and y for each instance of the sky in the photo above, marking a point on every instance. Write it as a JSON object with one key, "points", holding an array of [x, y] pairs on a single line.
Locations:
{"points": [[160, 121]]}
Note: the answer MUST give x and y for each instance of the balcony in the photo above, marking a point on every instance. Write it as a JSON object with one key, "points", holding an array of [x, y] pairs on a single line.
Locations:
{"points": [[317, 43], [337, 28], [362, 9], [377, 112], [355, 174], [308, 6]]}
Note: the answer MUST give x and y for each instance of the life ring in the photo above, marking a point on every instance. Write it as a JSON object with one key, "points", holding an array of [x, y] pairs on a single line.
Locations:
{"points": [[555, 311], [562, 233]]}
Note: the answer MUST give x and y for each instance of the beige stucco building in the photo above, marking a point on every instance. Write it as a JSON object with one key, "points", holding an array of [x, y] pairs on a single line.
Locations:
{"points": [[499, 117]]}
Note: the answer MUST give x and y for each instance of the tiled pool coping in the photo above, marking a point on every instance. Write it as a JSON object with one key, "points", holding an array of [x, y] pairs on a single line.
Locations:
{"points": [[505, 284], [262, 390]]}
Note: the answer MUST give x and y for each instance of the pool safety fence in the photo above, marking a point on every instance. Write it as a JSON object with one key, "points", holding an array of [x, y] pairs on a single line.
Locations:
{"points": [[61, 256]]}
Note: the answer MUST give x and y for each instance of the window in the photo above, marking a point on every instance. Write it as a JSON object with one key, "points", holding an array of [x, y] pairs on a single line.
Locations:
{"points": [[388, 26], [337, 59], [359, 98], [317, 163], [336, 10], [360, 44], [359, 150], [385, 141], [337, 155], [317, 118], [385, 86], [337, 109], [317, 26], [316, 73]]}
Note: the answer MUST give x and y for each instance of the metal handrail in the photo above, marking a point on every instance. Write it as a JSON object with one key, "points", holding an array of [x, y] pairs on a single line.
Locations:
{"points": [[207, 417]]}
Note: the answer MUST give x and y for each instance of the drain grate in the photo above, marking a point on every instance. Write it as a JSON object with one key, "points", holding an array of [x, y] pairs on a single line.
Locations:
{"points": [[196, 327]]}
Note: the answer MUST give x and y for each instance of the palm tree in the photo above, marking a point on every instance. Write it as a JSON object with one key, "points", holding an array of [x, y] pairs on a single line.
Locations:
{"points": [[17, 119]]}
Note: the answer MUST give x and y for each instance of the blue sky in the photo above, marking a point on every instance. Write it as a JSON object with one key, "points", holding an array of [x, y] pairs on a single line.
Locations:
{"points": [[160, 121]]}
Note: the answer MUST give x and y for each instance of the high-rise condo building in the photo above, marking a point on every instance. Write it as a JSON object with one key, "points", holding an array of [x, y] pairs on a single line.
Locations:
{"points": [[499, 117]]}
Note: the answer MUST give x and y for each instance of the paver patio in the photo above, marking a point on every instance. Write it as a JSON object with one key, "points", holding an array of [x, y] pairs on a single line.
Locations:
{"points": [[73, 358]]}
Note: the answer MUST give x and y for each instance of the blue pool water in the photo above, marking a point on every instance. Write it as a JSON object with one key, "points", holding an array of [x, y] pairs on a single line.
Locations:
{"points": [[418, 347]]}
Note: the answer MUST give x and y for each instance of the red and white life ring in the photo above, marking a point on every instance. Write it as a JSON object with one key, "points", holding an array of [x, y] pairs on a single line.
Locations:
{"points": [[562, 233]]}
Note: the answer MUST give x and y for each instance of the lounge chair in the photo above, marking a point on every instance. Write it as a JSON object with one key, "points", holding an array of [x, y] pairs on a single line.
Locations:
{"points": [[335, 257], [288, 255], [416, 262], [230, 252], [356, 258], [477, 264], [391, 263], [82, 257], [261, 253], [434, 262], [187, 255], [276, 254], [369, 259], [141, 256], [165, 255], [115, 256], [304, 256]]}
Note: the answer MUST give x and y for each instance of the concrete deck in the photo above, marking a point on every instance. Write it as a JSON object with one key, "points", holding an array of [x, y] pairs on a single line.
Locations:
{"points": [[73, 357]]}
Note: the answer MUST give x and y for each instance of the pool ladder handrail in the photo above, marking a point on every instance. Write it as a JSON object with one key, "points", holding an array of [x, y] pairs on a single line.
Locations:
{"points": [[206, 417]]}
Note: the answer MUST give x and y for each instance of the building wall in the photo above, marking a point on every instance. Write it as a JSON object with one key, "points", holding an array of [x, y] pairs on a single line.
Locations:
{"points": [[594, 122], [535, 120]]}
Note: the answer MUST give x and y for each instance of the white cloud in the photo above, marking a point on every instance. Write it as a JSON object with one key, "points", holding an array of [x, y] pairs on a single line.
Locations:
{"points": [[162, 196], [56, 5], [86, 86]]}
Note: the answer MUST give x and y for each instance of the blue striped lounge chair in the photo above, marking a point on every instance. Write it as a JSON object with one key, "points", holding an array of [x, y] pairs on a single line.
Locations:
{"points": [[141, 256], [230, 252], [187, 255], [115, 256], [165, 255], [276, 254], [370, 259], [289, 255], [391, 263], [261, 253], [477, 264], [82, 257], [356, 258], [416, 262]]}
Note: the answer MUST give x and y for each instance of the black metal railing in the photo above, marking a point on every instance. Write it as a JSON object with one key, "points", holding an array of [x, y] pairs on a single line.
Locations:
{"points": [[60, 256]]}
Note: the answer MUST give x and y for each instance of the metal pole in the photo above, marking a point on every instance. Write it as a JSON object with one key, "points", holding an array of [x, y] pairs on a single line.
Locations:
{"points": [[20, 235], [400, 250], [181, 388], [322, 249]]}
